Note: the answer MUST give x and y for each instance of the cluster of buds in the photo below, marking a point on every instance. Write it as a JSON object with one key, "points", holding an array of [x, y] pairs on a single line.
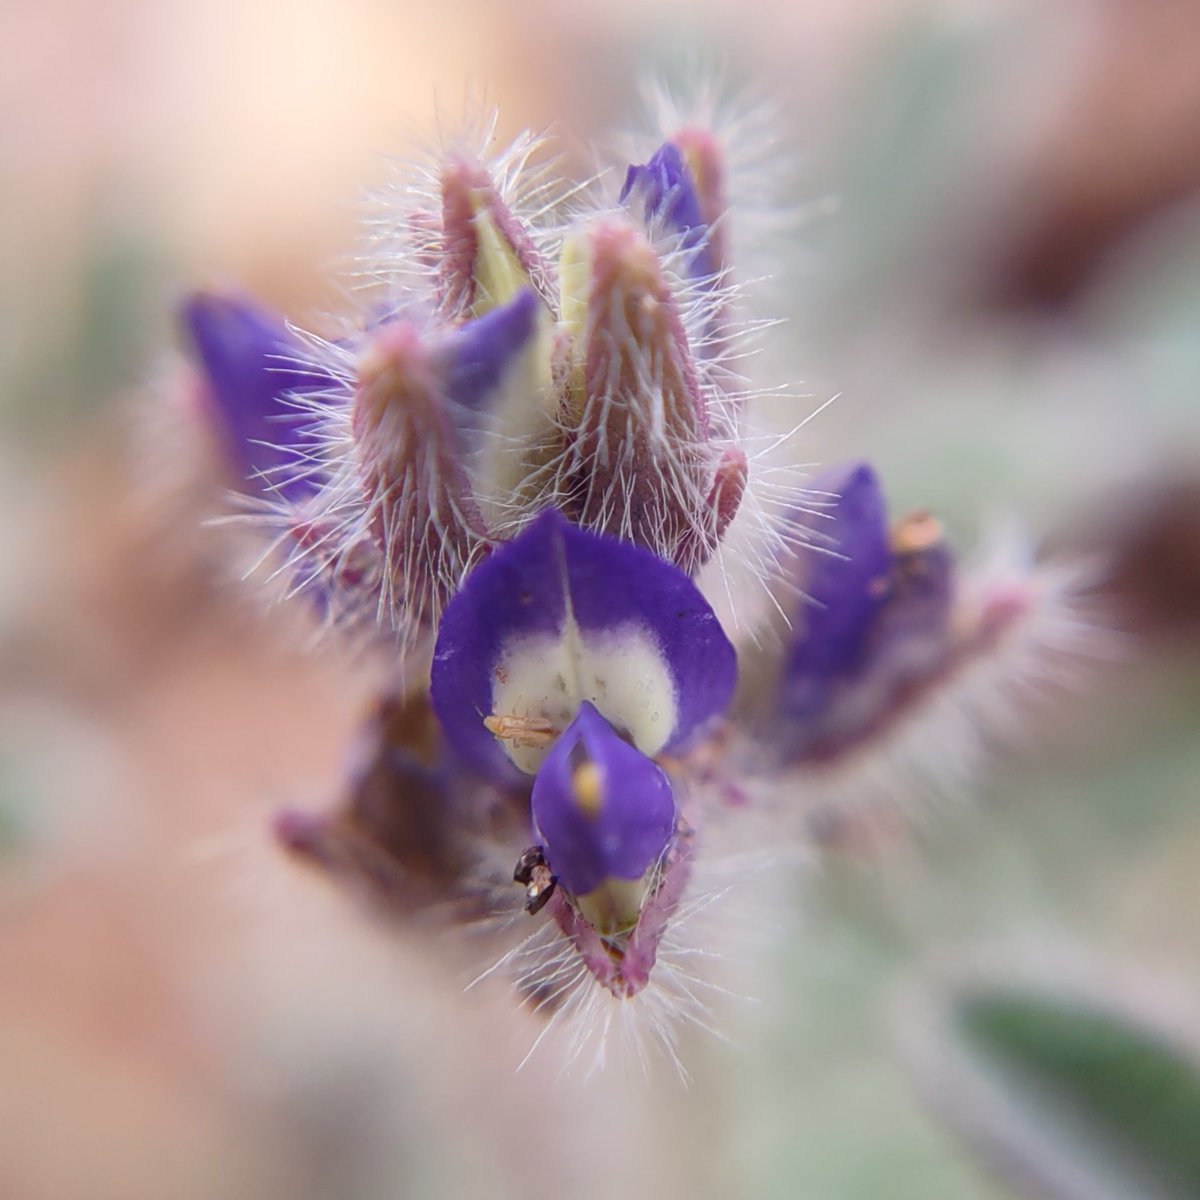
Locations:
{"points": [[511, 467]]}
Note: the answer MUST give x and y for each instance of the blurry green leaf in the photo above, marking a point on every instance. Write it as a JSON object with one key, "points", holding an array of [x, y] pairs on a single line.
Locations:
{"points": [[1103, 1106], [12, 825]]}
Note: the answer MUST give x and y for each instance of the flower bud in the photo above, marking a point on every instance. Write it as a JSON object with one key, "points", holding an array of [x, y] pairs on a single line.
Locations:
{"points": [[678, 193], [643, 462], [413, 469], [487, 254]]}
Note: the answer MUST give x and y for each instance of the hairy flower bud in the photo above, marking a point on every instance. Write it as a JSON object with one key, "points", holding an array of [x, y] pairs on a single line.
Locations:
{"points": [[413, 467], [642, 462], [487, 255], [527, 470]]}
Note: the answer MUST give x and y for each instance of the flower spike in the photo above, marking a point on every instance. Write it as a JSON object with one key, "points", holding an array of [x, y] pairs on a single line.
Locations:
{"points": [[518, 481]]}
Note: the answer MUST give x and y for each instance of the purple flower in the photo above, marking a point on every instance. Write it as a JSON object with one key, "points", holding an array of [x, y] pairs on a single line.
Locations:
{"points": [[593, 665], [664, 192], [254, 368], [480, 353], [605, 813], [874, 624], [534, 462], [558, 617]]}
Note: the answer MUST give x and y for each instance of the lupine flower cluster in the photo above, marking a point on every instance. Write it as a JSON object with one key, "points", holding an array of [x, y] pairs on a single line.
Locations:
{"points": [[522, 470]]}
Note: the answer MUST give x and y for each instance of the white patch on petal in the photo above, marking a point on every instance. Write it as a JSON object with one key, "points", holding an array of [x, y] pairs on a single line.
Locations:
{"points": [[547, 677]]}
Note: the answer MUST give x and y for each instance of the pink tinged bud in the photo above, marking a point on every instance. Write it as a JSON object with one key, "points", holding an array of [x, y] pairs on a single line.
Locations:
{"points": [[642, 464], [487, 254], [412, 467], [723, 501], [704, 163]]}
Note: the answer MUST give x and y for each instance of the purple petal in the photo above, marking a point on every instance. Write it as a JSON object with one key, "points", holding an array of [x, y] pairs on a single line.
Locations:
{"points": [[481, 350], [845, 589], [667, 194], [882, 629], [559, 616], [602, 809], [496, 374], [249, 361]]}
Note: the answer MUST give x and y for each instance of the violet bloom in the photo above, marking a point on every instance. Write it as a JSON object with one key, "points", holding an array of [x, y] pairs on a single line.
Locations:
{"points": [[605, 813], [254, 372], [592, 666], [529, 481], [876, 623], [665, 192]]}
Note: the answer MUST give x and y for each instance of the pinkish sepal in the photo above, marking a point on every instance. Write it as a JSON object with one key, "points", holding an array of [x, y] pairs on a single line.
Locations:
{"points": [[487, 254], [623, 963]]}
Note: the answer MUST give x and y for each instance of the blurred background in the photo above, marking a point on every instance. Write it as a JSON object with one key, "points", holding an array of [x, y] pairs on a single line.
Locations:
{"points": [[999, 276]]}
